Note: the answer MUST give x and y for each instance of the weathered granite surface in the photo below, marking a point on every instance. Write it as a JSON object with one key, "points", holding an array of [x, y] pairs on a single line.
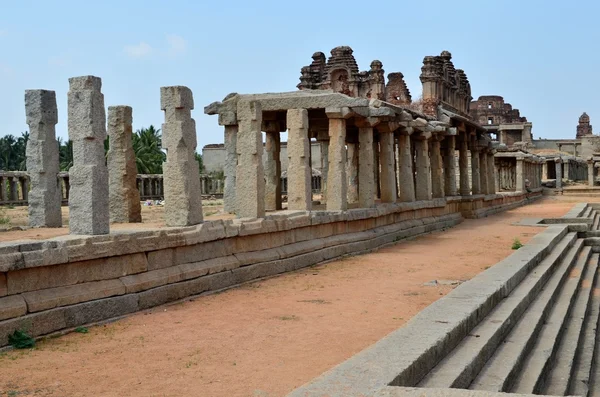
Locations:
{"points": [[88, 195], [122, 185], [42, 155]]}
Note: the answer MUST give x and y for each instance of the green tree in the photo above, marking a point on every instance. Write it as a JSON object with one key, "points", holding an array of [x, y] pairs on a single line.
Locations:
{"points": [[199, 160], [148, 154], [12, 152], [65, 152]]}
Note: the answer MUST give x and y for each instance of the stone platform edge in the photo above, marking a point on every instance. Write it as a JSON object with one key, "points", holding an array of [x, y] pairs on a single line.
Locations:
{"points": [[45, 291], [407, 354]]}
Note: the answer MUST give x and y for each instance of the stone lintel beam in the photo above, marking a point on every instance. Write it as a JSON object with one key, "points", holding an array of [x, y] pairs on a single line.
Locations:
{"points": [[367, 122], [444, 118], [419, 123], [388, 126], [405, 130], [273, 126], [338, 113], [405, 116], [452, 131], [422, 135]]}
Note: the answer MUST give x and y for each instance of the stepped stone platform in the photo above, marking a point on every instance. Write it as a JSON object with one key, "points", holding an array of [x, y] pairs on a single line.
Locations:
{"points": [[61, 283], [526, 326]]}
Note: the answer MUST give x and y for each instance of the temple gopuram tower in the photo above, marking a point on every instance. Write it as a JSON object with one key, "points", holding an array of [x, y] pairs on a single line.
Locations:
{"points": [[584, 127]]}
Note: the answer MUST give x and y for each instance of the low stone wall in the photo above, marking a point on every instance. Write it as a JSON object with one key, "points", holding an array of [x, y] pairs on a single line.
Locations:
{"points": [[51, 285]]}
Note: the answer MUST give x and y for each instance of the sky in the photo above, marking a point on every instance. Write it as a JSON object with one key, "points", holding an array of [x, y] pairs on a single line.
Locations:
{"points": [[541, 56]]}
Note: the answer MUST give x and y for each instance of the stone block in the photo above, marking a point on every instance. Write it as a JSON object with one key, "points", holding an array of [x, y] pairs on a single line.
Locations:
{"points": [[35, 324], [92, 312], [210, 266], [176, 97], [249, 258], [3, 286], [39, 278], [12, 306], [63, 296], [151, 279], [161, 259]]}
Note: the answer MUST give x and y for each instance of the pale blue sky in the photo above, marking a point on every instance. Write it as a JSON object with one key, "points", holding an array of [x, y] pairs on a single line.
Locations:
{"points": [[542, 56]]}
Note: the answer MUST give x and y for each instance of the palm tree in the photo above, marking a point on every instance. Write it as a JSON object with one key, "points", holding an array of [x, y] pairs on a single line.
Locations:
{"points": [[65, 151], [148, 154]]}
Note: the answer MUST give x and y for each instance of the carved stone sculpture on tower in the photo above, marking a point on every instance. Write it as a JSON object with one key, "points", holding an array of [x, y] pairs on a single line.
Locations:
{"points": [[122, 185], [43, 159], [183, 203], [88, 195]]}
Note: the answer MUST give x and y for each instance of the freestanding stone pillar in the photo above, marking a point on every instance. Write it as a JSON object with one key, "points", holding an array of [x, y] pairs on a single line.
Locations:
{"points": [[337, 199], [423, 190], [449, 166], [407, 181], [545, 170], [230, 167], [388, 174], [124, 196], [183, 202], [299, 171], [42, 155], [558, 165], [250, 174], [366, 184], [590, 172], [273, 167], [463, 165], [437, 177], [88, 196], [475, 174]]}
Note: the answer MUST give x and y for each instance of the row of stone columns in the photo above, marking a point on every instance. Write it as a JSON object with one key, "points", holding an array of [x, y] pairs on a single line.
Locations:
{"points": [[11, 186], [403, 166]]}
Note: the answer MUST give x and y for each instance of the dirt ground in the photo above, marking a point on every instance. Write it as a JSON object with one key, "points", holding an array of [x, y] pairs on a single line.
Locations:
{"points": [[268, 337]]}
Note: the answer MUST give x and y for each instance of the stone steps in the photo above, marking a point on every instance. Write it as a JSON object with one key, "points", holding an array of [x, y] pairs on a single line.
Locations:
{"points": [[580, 379], [461, 366], [567, 342], [587, 212], [504, 367], [596, 221]]}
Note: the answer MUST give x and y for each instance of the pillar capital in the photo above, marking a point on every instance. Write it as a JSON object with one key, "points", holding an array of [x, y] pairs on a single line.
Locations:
{"points": [[338, 113], [366, 122]]}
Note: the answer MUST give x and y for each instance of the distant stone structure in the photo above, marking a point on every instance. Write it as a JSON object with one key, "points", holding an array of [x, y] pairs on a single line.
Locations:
{"points": [[183, 203], [123, 193], [584, 128], [88, 196], [45, 196], [500, 119]]}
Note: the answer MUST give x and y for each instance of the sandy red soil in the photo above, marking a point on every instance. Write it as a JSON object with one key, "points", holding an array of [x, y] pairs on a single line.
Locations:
{"points": [[268, 337]]}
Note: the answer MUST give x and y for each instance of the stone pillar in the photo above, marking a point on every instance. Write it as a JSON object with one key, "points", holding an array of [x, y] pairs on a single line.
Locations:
{"points": [[376, 162], [250, 174], [520, 178], [352, 171], [337, 199], [88, 196], [483, 172], [324, 144], [45, 197], [25, 188], [229, 169], [140, 183], [567, 174], [463, 165], [183, 201], [14, 190], [491, 169], [591, 172], [299, 171], [124, 196], [449, 166], [366, 183], [475, 174], [423, 188], [387, 173], [545, 170], [273, 167], [437, 177], [407, 181]]}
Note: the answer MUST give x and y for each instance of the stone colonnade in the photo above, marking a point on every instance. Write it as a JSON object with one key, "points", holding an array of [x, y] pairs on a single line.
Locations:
{"points": [[514, 169], [392, 161]]}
